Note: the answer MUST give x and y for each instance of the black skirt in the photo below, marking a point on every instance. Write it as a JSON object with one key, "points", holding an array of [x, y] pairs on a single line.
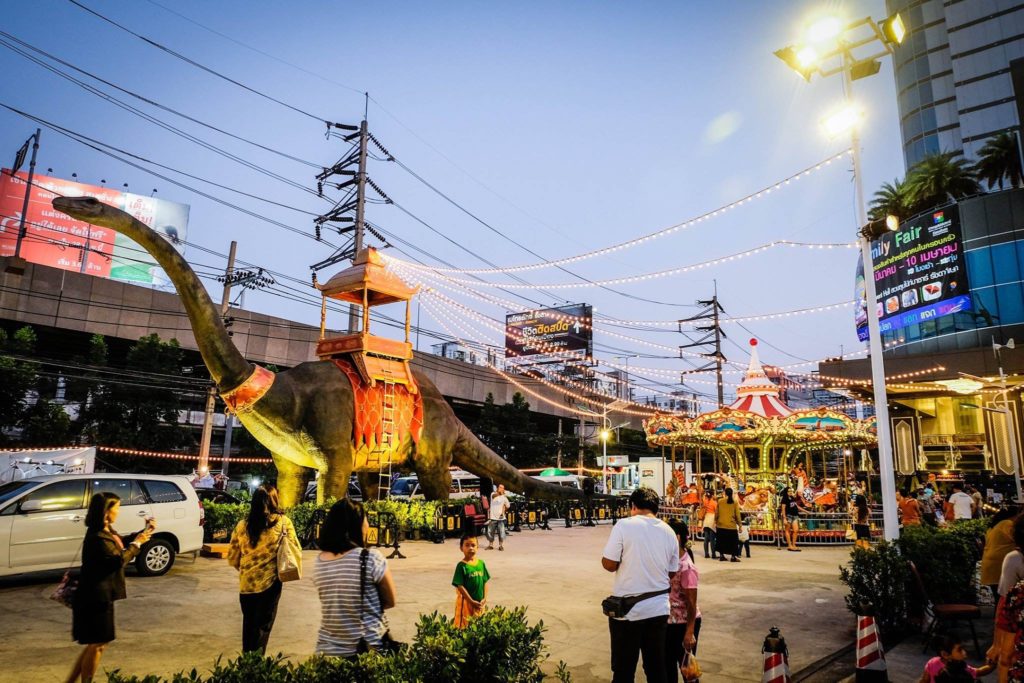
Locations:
{"points": [[92, 623], [863, 532], [727, 541]]}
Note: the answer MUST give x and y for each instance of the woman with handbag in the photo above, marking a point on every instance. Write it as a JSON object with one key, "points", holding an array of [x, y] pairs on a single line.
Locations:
{"points": [[683, 626], [256, 545], [101, 582], [354, 584], [727, 521]]}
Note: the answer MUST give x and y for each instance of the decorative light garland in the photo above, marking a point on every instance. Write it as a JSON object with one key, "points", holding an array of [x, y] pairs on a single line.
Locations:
{"points": [[177, 456], [660, 233]]}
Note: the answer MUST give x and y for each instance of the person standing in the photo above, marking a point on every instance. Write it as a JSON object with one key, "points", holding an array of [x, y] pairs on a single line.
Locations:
{"points": [[979, 502], [707, 515], [683, 627], [789, 510], [354, 584], [963, 504], [253, 552], [861, 522], [926, 503], [998, 544], [727, 526], [496, 518], [101, 581], [643, 553], [910, 511]]}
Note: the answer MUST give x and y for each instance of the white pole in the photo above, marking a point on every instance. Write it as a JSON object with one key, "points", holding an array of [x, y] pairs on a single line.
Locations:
{"points": [[885, 459], [1011, 431], [604, 454]]}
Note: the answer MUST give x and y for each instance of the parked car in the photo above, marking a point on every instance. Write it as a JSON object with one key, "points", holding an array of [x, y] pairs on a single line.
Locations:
{"points": [[464, 485], [207, 495], [354, 494], [42, 519]]}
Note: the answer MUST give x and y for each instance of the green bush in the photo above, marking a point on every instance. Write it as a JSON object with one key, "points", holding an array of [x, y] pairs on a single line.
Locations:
{"points": [[878, 578], [945, 558], [498, 646], [222, 518]]}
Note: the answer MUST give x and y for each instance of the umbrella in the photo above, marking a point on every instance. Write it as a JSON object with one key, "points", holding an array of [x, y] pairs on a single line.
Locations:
{"points": [[555, 472]]}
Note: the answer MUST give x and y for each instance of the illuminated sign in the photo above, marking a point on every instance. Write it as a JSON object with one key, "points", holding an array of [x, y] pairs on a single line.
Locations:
{"points": [[550, 331], [920, 273], [57, 240]]}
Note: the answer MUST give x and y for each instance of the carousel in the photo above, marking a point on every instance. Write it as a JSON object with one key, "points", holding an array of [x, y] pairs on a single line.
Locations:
{"points": [[758, 446]]}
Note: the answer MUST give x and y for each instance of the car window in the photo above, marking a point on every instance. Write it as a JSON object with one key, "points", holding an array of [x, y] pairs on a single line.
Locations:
{"points": [[403, 487], [12, 489], [60, 495], [127, 490], [163, 491]]}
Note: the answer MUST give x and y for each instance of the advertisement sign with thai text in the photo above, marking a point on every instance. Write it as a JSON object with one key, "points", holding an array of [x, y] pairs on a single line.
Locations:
{"points": [[556, 331], [920, 273], [55, 239]]}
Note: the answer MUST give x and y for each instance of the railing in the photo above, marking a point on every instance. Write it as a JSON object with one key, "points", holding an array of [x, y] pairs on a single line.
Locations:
{"points": [[817, 528]]}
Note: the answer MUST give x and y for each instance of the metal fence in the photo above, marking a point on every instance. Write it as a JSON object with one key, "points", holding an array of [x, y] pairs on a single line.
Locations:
{"points": [[817, 528]]}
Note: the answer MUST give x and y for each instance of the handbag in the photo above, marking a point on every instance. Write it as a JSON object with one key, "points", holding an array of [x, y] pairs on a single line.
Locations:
{"points": [[67, 589], [744, 534], [617, 606], [289, 563], [388, 645], [689, 670], [851, 533]]}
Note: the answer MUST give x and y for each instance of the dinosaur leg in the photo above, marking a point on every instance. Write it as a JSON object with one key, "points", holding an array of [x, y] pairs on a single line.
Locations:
{"points": [[435, 480], [292, 480], [369, 485], [333, 482]]}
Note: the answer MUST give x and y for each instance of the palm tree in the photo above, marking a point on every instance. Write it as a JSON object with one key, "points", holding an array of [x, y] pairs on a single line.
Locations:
{"points": [[999, 161], [891, 199], [938, 178]]}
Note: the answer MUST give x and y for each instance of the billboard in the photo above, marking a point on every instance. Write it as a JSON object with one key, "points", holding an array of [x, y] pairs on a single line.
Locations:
{"points": [[920, 273], [57, 240], [550, 330]]}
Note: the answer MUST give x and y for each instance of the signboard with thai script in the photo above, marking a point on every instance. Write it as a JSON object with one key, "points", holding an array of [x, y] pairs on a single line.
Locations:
{"points": [[554, 331], [920, 273]]}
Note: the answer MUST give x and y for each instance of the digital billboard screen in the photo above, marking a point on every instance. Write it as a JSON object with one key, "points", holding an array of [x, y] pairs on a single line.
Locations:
{"points": [[55, 239], [550, 330], [920, 273]]}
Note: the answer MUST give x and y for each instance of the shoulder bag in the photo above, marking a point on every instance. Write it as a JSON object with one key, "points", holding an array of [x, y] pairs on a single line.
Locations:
{"points": [[289, 562], [388, 645], [67, 589]]}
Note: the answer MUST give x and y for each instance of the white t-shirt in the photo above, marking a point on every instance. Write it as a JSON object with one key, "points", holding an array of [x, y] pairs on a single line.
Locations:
{"points": [[961, 505], [1012, 572], [646, 550], [499, 504]]}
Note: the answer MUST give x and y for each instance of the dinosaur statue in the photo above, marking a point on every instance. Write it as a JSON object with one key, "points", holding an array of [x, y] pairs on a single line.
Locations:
{"points": [[304, 415]]}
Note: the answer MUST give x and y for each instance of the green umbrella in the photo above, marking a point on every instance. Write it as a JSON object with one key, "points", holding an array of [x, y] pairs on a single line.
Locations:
{"points": [[555, 472]]}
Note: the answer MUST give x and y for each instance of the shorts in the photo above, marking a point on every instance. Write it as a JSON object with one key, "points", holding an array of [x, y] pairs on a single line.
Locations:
{"points": [[792, 518], [863, 532]]}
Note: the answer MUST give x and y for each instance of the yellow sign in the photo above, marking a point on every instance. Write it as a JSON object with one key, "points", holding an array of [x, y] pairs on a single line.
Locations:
{"points": [[371, 535], [532, 517]]}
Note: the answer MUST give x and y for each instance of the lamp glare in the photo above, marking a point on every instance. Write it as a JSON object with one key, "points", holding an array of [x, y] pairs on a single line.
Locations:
{"points": [[894, 29], [843, 120], [806, 57], [892, 222], [824, 29]]}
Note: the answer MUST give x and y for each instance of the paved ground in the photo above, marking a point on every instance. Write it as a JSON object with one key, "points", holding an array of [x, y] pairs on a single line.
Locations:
{"points": [[191, 615]]}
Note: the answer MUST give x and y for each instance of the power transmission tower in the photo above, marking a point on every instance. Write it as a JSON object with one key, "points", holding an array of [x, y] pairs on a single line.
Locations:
{"points": [[712, 339]]}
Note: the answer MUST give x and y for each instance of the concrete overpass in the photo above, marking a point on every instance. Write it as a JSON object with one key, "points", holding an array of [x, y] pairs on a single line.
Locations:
{"points": [[65, 300]]}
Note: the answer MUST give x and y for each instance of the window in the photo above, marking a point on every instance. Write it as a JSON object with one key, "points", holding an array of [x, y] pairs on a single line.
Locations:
{"points": [[127, 490], [403, 487], [163, 491], [12, 489], [1011, 304], [979, 268], [1004, 263], [60, 495]]}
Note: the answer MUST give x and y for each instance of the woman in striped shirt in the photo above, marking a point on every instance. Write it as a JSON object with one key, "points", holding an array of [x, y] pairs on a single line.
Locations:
{"points": [[350, 612]]}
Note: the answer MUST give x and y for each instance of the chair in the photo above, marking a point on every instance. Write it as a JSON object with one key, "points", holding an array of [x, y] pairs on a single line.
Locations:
{"points": [[945, 613]]}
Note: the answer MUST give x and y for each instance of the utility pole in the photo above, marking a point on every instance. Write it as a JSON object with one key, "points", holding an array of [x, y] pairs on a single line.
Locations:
{"points": [[712, 339], [17, 265], [211, 393]]}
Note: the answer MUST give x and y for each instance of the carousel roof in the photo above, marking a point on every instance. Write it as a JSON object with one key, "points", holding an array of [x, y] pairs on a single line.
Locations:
{"points": [[756, 393]]}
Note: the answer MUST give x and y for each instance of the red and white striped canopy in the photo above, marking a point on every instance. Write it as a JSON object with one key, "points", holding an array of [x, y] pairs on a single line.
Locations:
{"points": [[758, 394]]}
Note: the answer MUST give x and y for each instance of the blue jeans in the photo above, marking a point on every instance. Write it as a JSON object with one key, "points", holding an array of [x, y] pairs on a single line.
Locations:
{"points": [[709, 539], [495, 527]]}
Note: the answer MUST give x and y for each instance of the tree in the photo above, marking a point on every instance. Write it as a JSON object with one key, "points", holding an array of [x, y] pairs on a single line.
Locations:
{"points": [[45, 424], [17, 376], [999, 161], [892, 199], [938, 178], [510, 432]]}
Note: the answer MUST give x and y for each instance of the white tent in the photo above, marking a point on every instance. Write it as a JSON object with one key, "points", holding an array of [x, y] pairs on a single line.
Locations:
{"points": [[15, 465]]}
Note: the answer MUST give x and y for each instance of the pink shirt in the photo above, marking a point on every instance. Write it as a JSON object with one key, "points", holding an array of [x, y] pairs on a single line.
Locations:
{"points": [[935, 666], [685, 578]]}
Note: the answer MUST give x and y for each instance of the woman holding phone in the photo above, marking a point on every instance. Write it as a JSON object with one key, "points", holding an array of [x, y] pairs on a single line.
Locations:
{"points": [[104, 556]]}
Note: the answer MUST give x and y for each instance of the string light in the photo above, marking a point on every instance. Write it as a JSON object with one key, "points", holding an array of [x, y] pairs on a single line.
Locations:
{"points": [[176, 456], [660, 233], [391, 260]]}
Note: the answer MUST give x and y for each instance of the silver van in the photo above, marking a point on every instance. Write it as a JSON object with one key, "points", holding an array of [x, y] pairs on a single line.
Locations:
{"points": [[464, 485]]}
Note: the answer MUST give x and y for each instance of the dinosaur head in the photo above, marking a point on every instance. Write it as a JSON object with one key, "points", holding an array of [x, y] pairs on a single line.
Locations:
{"points": [[90, 210]]}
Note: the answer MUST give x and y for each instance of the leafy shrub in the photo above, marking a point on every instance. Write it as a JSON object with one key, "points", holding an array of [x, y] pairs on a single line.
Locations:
{"points": [[222, 518], [496, 647], [878, 578], [945, 558]]}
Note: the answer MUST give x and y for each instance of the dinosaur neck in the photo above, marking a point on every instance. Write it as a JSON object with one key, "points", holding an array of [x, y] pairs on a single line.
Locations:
{"points": [[226, 364]]}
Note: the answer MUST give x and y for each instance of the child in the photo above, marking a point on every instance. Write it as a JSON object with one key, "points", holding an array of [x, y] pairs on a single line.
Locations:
{"points": [[951, 665], [470, 583]]}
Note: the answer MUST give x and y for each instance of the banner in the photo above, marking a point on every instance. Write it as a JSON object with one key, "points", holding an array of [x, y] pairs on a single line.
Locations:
{"points": [[550, 330], [57, 240], [920, 273]]}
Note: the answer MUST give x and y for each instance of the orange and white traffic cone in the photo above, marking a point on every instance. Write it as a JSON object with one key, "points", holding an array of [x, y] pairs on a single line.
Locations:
{"points": [[870, 657], [776, 658]]}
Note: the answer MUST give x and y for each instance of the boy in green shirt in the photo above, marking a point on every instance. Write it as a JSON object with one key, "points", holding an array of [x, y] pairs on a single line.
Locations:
{"points": [[470, 583]]}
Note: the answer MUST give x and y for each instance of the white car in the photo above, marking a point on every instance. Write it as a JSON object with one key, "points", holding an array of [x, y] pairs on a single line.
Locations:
{"points": [[42, 519], [464, 485]]}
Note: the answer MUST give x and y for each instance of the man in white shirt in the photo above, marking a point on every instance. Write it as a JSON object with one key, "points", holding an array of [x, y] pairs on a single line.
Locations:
{"points": [[963, 504], [644, 554], [496, 518]]}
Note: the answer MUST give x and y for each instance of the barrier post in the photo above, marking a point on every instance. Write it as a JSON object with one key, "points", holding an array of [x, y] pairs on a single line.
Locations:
{"points": [[776, 658], [871, 667]]}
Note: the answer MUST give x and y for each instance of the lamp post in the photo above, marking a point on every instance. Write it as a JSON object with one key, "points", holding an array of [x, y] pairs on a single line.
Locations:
{"points": [[806, 60]]}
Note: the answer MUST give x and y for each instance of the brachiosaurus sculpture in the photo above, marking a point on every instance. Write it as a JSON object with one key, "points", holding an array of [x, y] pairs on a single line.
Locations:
{"points": [[305, 417]]}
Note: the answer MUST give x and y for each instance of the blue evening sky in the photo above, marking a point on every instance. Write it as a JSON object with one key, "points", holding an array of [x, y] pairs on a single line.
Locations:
{"points": [[567, 126]]}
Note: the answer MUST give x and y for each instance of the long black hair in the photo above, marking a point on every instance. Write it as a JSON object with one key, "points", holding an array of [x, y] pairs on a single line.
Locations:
{"points": [[728, 495], [263, 511], [99, 506], [862, 506], [343, 528]]}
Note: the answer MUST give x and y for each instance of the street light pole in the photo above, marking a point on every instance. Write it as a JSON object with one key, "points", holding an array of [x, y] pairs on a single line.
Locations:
{"points": [[1011, 432]]}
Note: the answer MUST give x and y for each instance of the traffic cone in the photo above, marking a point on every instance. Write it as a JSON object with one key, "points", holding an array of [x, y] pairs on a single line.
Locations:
{"points": [[870, 657], [776, 658]]}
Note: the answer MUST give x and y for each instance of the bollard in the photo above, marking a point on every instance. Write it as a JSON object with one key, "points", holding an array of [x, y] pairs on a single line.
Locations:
{"points": [[776, 658], [871, 666]]}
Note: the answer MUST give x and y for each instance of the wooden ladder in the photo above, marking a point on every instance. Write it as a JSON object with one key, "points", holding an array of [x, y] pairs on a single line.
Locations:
{"points": [[387, 439]]}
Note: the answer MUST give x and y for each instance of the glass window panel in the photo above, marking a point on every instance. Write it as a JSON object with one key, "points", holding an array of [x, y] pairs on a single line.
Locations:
{"points": [[1011, 304], [1004, 263], [163, 491], [986, 311], [928, 119], [126, 489], [60, 495]]}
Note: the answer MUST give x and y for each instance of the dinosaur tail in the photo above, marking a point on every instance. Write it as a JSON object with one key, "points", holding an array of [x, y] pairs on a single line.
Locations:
{"points": [[472, 454], [226, 364]]}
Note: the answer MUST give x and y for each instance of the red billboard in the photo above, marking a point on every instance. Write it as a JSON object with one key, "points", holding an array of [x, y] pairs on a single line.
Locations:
{"points": [[55, 239]]}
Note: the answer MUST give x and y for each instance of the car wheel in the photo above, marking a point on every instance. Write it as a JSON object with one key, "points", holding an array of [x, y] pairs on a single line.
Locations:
{"points": [[156, 558]]}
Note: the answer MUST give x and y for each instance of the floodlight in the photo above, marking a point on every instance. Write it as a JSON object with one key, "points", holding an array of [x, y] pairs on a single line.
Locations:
{"points": [[807, 57], [605, 434], [842, 120], [880, 226], [864, 68], [894, 29], [791, 56], [892, 222], [824, 29]]}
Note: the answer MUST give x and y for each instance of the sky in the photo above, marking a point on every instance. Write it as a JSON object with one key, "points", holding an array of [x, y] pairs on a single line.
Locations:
{"points": [[564, 126]]}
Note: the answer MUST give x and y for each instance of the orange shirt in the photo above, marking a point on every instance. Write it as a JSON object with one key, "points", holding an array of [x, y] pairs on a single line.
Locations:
{"points": [[911, 512]]}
